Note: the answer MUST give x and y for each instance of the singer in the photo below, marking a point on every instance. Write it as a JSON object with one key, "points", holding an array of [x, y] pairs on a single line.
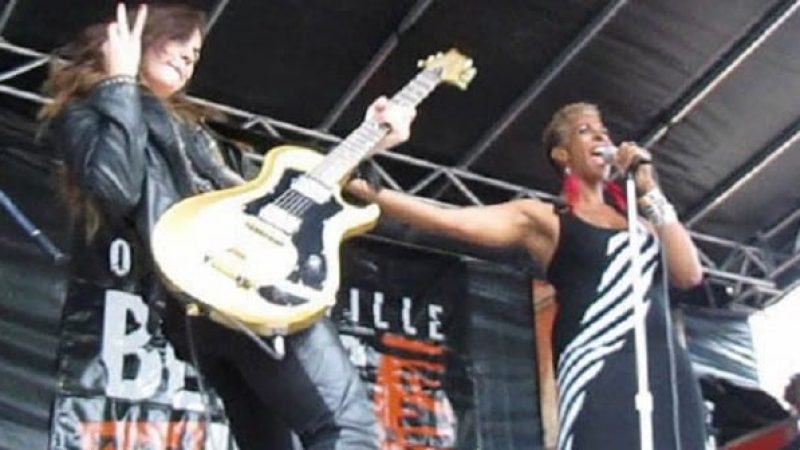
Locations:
{"points": [[583, 248]]}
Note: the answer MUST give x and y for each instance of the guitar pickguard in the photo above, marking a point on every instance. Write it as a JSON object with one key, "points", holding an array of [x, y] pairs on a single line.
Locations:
{"points": [[312, 262]]}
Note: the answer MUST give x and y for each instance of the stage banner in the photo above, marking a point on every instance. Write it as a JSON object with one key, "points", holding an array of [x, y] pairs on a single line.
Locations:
{"points": [[503, 357], [398, 316], [444, 345], [120, 385], [720, 344]]}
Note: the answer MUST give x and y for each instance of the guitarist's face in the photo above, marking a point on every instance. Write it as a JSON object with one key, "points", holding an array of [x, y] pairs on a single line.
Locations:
{"points": [[167, 67]]}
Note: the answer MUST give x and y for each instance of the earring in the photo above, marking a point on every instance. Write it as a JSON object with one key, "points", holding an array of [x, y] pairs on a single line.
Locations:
{"points": [[571, 187]]}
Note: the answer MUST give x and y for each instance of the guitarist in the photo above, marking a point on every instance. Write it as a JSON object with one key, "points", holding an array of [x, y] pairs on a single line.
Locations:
{"points": [[132, 147]]}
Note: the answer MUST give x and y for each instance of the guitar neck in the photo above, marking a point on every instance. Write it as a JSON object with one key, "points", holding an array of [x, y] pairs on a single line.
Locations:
{"points": [[359, 143]]}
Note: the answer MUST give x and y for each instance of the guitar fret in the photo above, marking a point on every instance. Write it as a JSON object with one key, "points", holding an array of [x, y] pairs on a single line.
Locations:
{"points": [[346, 156], [412, 93], [421, 88], [415, 91], [359, 140], [405, 99]]}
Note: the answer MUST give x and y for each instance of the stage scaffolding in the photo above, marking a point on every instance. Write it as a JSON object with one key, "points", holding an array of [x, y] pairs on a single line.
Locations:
{"points": [[746, 273]]}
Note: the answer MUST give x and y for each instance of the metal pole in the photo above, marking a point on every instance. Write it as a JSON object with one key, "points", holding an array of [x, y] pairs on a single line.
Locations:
{"points": [[386, 49], [738, 180], [730, 62], [547, 77], [9, 74], [214, 16], [644, 398], [6, 15], [785, 222]]}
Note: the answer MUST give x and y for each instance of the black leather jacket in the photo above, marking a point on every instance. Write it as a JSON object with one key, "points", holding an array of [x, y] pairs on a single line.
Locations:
{"points": [[128, 154], [132, 157], [134, 160]]}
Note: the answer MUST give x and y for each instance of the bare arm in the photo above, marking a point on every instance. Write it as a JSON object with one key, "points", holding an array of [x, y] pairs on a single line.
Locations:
{"points": [[683, 263], [527, 223], [516, 223]]}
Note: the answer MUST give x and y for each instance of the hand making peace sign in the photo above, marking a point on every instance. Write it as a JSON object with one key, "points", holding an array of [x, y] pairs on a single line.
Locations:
{"points": [[122, 50]]}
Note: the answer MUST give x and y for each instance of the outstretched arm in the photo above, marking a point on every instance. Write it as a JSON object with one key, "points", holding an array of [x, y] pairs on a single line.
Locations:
{"points": [[514, 223], [527, 223]]}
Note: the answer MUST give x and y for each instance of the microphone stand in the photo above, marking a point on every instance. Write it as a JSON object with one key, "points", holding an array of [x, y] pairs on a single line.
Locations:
{"points": [[34, 233], [644, 398]]}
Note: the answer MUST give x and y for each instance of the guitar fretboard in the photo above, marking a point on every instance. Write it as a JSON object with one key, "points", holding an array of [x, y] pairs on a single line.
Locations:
{"points": [[357, 145]]}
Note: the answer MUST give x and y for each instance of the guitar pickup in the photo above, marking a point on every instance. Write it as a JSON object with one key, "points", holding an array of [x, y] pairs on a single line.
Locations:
{"points": [[280, 219], [312, 188], [266, 230], [230, 264]]}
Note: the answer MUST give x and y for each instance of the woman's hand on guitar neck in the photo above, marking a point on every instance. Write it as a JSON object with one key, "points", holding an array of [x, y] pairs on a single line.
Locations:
{"points": [[397, 117]]}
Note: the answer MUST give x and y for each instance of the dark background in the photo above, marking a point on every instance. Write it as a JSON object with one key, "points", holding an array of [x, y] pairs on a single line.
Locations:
{"points": [[709, 86]]}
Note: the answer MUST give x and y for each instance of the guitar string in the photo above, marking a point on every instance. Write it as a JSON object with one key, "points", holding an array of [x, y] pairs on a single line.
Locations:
{"points": [[298, 204]]}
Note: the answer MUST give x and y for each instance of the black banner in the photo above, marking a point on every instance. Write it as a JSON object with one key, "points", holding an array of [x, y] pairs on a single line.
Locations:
{"points": [[444, 346], [720, 344], [398, 317], [120, 384]]}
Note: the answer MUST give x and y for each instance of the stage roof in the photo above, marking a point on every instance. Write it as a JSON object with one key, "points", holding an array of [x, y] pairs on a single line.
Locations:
{"points": [[709, 86]]}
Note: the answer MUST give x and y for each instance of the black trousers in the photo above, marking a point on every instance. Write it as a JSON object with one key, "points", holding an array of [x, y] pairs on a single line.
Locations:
{"points": [[314, 391]]}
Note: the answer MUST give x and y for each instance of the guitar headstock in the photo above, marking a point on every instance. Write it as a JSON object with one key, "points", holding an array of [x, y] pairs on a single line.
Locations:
{"points": [[454, 67]]}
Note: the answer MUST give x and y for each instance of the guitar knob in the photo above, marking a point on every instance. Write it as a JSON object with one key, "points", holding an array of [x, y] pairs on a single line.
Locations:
{"points": [[314, 263], [313, 271]]}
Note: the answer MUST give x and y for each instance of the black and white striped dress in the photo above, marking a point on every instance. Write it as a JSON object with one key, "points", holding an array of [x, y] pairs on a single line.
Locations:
{"points": [[594, 344]]}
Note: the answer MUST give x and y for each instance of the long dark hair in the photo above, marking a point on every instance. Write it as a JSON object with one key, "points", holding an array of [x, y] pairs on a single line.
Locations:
{"points": [[78, 66]]}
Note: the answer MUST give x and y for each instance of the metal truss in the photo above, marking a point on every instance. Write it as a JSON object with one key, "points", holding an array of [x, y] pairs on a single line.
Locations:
{"points": [[746, 272], [751, 41], [743, 48], [756, 269]]}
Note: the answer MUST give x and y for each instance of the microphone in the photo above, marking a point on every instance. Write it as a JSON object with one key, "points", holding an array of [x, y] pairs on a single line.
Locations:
{"points": [[609, 153]]}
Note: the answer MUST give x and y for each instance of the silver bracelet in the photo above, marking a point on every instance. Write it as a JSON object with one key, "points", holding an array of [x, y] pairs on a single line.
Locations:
{"points": [[657, 209], [118, 79]]}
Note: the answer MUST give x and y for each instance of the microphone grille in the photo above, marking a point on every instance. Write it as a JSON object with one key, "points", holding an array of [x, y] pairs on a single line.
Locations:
{"points": [[607, 151]]}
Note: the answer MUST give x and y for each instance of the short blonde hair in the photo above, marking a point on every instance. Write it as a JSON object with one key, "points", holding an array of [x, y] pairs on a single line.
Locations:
{"points": [[555, 133]]}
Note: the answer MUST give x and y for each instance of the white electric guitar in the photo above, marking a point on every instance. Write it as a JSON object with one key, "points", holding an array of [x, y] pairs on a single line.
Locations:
{"points": [[266, 254]]}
